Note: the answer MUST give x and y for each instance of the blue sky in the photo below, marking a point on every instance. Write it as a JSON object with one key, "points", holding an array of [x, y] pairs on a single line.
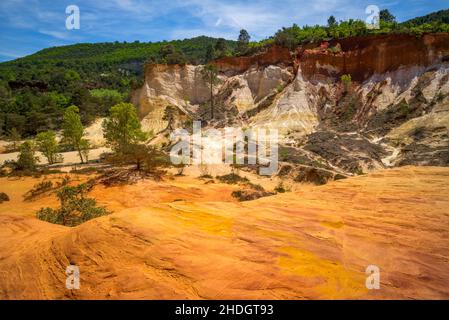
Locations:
{"points": [[30, 25]]}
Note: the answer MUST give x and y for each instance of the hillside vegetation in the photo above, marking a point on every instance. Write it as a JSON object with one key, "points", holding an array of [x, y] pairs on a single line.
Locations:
{"points": [[35, 90]]}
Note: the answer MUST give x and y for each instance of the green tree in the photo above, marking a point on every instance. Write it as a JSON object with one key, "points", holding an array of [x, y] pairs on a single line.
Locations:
{"points": [[73, 132], [27, 160], [166, 50], [171, 55], [122, 128], [47, 144], [210, 74], [386, 16], [15, 137], [243, 41], [331, 22], [135, 153], [221, 47], [72, 76], [210, 53]]}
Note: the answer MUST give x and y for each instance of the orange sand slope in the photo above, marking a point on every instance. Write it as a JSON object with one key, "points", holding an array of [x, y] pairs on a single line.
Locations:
{"points": [[183, 239]]}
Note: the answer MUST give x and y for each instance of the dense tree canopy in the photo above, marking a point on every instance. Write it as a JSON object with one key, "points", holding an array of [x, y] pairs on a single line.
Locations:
{"points": [[35, 90]]}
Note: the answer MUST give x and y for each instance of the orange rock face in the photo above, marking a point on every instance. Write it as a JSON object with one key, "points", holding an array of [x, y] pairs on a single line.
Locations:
{"points": [[361, 57], [183, 239], [273, 56]]}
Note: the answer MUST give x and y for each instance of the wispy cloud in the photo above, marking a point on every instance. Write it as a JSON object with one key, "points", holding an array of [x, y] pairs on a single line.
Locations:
{"points": [[11, 54], [62, 35], [42, 22]]}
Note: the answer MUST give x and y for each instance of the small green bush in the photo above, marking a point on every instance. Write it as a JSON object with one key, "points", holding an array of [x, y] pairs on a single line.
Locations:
{"points": [[335, 49], [75, 207], [38, 189], [248, 194], [280, 188], [232, 178], [346, 80]]}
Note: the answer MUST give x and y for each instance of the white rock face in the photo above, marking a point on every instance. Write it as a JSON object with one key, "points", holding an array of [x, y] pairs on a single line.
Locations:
{"points": [[182, 86], [185, 87], [251, 87], [294, 109], [177, 83], [264, 81], [393, 87]]}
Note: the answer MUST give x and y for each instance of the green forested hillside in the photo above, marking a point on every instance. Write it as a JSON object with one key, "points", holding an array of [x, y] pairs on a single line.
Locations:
{"points": [[441, 16], [35, 90], [92, 59]]}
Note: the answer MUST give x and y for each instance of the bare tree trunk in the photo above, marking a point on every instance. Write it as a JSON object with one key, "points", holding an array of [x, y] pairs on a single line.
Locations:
{"points": [[80, 154], [211, 99]]}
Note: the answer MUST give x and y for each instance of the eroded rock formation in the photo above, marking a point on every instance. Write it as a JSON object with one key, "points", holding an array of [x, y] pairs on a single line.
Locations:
{"points": [[394, 79]]}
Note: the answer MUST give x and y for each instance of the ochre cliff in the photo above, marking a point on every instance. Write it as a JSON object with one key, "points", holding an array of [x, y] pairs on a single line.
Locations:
{"points": [[274, 55], [364, 56], [395, 79]]}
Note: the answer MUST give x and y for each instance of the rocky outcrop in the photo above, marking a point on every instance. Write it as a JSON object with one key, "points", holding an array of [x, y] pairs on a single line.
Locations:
{"points": [[395, 79], [293, 110], [365, 56], [274, 55], [184, 87]]}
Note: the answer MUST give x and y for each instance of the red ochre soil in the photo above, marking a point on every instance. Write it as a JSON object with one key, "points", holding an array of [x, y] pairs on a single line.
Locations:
{"points": [[361, 57], [183, 239]]}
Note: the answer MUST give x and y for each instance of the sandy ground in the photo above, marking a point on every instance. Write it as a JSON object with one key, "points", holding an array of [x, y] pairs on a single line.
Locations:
{"points": [[70, 158], [183, 239], [93, 133]]}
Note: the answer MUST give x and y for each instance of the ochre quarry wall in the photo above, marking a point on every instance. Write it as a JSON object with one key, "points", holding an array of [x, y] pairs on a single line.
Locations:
{"points": [[274, 55], [296, 91], [362, 57]]}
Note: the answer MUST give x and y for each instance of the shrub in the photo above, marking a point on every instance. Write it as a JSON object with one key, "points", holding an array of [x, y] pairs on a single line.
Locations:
{"points": [[313, 175], [27, 160], [180, 169], [45, 186], [346, 80], [74, 209], [280, 188], [204, 170], [38, 189], [248, 194], [335, 49], [232, 178], [3, 197]]}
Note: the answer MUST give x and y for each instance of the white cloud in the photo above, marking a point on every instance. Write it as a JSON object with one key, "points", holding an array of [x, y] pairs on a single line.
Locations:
{"points": [[11, 54], [62, 35], [262, 18]]}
